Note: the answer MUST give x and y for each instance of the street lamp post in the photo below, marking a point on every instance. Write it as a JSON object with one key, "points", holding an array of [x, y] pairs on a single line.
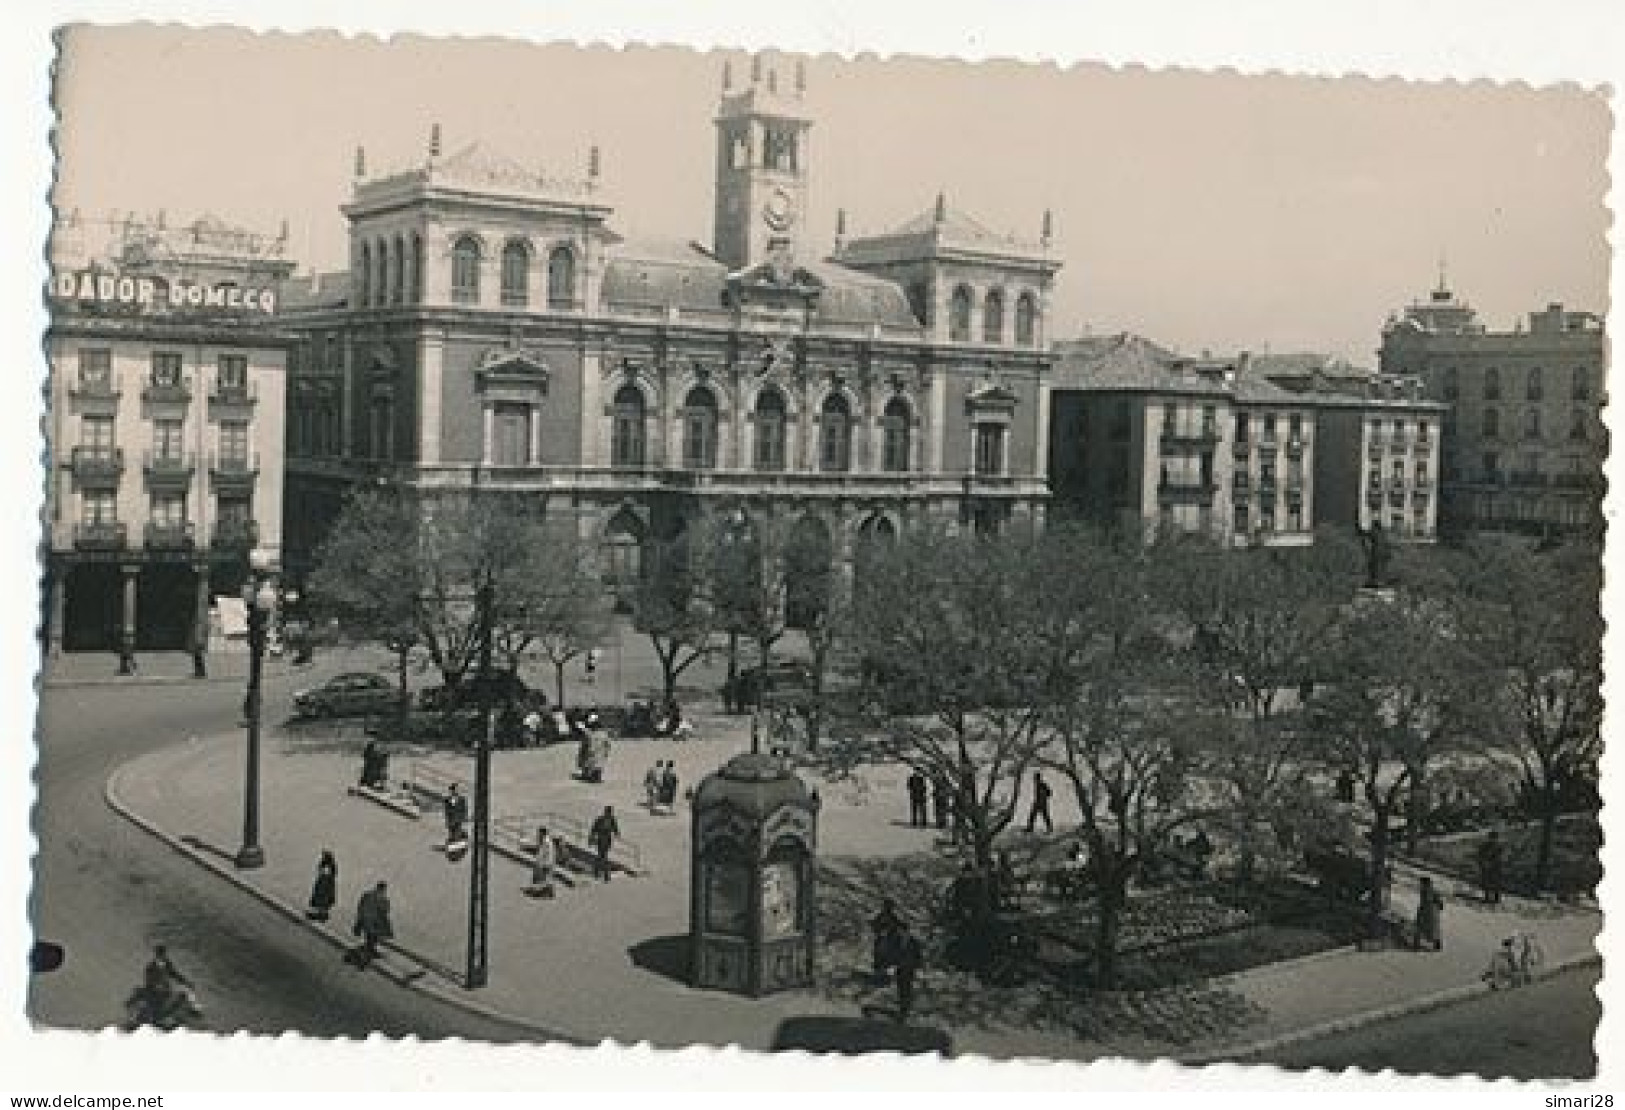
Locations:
{"points": [[259, 597], [477, 972]]}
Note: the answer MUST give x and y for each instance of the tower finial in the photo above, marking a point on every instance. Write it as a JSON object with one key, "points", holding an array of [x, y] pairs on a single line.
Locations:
{"points": [[594, 164], [1049, 228], [942, 208], [360, 161], [727, 75], [840, 229], [434, 140], [801, 76], [1444, 282]]}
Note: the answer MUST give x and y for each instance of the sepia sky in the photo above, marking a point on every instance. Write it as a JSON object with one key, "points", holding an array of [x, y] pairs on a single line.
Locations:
{"points": [[1207, 211]]}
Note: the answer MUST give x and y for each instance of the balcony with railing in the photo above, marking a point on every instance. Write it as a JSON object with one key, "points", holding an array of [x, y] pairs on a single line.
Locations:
{"points": [[169, 469], [169, 535], [167, 391], [1241, 448], [235, 535], [1189, 437], [1295, 445], [97, 466], [230, 470], [1176, 489], [96, 391], [101, 535], [234, 397]]}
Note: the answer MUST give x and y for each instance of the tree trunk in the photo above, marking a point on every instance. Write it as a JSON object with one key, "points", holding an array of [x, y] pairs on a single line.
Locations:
{"points": [[1109, 927], [558, 680], [1548, 834], [404, 695], [1379, 871], [732, 699]]}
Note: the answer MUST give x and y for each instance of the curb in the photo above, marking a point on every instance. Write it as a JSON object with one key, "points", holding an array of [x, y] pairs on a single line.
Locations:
{"points": [[1246, 1052], [49, 682], [419, 979]]}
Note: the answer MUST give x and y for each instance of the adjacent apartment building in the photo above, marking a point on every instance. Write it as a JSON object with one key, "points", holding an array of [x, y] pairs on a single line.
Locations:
{"points": [[494, 331], [1524, 440], [165, 428], [1251, 450]]}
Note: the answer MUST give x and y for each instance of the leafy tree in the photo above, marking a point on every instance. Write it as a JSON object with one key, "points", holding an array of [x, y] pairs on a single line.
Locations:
{"points": [[552, 602], [1535, 619], [1406, 692], [672, 604], [946, 626], [1257, 620], [1120, 732]]}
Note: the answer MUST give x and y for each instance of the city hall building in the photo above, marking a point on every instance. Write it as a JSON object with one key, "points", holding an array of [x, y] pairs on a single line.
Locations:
{"points": [[165, 429], [495, 332]]}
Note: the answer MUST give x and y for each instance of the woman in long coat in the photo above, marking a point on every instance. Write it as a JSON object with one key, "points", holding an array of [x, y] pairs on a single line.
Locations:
{"points": [[1429, 905], [325, 891]]}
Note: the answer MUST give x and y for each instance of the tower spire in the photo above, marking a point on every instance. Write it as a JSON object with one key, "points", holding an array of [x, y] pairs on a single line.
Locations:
{"points": [[434, 140], [360, 161], [840, 229], [1048, 234], [1444, 280]]}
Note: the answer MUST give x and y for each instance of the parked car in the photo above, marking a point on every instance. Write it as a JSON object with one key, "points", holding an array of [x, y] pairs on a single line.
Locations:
{"points": [[359, 694], [499, 688]]}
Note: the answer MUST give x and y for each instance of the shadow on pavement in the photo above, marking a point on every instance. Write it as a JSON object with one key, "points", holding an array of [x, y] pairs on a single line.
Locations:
{"points": [[666, 956], [854, 1035]]}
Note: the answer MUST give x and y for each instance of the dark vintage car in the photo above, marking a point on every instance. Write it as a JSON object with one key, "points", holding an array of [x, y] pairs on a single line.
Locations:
{"points": [[358, 694]]}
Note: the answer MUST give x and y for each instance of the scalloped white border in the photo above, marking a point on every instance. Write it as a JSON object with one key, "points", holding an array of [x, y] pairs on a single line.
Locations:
{"points": [[1537, 41]]}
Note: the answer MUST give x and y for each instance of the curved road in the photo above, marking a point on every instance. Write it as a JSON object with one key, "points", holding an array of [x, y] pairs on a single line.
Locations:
{"points": [[108, 891]]}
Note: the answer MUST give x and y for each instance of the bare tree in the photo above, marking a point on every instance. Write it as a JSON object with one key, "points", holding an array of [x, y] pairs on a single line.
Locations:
{"points": [[553, 602], [672, 605]]}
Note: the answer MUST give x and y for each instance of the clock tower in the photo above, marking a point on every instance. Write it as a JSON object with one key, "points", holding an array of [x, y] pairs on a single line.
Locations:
{"points": [[761, 168]]}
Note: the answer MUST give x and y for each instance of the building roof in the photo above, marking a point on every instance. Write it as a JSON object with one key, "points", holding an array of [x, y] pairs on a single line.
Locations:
{"points": [[1126, 362], [315, 291], [941, 230]]}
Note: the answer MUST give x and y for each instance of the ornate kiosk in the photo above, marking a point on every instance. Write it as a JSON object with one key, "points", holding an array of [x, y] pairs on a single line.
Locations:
{"points": [[753, 890]]}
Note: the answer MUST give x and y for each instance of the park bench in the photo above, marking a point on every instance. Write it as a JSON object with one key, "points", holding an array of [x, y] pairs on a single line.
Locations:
{"points": [[514, 836]]}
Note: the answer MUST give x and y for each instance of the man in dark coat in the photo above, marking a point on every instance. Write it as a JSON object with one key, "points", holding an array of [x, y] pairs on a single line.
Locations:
{"points": [[1040, 808], [941, 800], [324, 892], [668, 787], [888, 928], [909, 956], [602, 836], [456, 814], [918, 790], [372, 923]]}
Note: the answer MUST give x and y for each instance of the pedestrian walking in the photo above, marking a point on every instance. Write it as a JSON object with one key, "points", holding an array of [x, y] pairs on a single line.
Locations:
{"points": [[1429, 907], [590, 665], [1040, 807], [918, 790], [456, 816], [324, 892], [941, 800], [651, 785], [1491, 867], [888, 928], [602, 837], [372, 924], [668, 788], [543, 866], [909, 956]]}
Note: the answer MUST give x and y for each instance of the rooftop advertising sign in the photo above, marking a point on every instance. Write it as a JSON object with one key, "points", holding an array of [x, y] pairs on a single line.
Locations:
{"points": [[89, 288]]}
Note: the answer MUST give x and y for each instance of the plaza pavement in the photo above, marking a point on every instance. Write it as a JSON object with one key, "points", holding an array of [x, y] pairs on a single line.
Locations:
{"points": [[605, 960]]}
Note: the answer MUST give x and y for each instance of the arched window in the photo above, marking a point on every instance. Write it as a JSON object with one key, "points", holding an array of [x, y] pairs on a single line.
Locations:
{"points": [[894, 423], [364, 273], [993, 317], [835, 434], [561, 278], [1452, 385], [465, 270], [417, 268], [1533, 389], [959, 315], [626, 446], [1492, 384], [1581, 385], [700, 429], [1531, 424], [1492, 423], [1580, 425], [623, 553], [1026, 320], [919, 301], [770, 425], [515, 274], [397, 278]]}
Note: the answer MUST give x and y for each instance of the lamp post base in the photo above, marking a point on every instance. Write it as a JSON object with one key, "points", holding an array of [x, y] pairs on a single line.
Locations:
{"points": [[249, 857]]}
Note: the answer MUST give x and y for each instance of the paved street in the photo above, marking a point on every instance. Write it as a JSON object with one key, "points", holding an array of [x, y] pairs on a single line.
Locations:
{"points": [[107, 892], [1540, 1031]]}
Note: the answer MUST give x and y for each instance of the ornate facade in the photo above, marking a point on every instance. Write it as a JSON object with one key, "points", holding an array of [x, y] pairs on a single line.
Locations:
{"points": [[495, 332]]}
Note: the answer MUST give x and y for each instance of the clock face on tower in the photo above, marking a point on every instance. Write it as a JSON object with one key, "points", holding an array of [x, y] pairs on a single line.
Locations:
{"points": [[779, 213]]}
